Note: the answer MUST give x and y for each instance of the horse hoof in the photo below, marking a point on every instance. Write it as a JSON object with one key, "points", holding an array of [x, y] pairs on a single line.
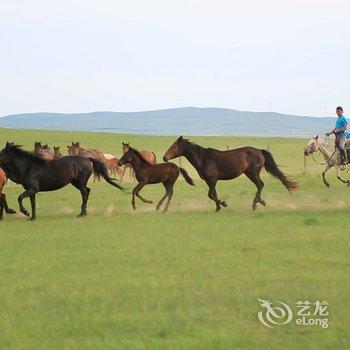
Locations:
{"points": [[149, 202], [11, 211], [263, 203], [32, 219], [224, 204], [25, 213]]}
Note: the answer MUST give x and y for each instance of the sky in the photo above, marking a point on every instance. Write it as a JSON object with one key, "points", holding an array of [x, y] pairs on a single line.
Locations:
{"points": [[71, 56]]}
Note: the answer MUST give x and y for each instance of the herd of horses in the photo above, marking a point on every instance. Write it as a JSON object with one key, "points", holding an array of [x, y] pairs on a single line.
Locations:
{"points": [[48, 170]]}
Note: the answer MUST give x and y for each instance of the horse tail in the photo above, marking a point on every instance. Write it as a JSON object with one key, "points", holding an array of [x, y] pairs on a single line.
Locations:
{"points": [[100, 169], [155, 158], [186, 176], [272, 168]]}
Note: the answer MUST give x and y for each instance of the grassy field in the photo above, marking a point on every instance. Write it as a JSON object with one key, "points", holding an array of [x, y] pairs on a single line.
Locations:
{"points": [[188, 279]]}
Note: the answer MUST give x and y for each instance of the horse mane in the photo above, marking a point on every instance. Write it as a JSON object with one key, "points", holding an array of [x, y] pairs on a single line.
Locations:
{"points": [[197, 147], [135, 151], [17, 150]]}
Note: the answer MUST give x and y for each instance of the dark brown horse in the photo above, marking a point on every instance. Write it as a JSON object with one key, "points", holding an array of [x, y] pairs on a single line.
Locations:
{"points": [[147, 173], [36, 174], [213, 165], [148, 155], [3, 202]]}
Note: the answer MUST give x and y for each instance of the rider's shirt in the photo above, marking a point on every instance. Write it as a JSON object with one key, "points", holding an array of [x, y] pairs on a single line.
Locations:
{"points": [[341, 122]]}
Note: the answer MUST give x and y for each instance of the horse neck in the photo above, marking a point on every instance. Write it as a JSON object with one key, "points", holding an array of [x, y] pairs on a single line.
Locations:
{"points": [[17, 168], [194, 154], [324, 150], [137, 163]]}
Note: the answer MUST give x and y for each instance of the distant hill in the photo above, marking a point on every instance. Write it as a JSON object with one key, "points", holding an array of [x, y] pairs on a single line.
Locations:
{"points": [[187, 121]]}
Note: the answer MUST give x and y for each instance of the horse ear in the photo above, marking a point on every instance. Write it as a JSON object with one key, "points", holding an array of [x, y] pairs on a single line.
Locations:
{"points": [[123, 144], [180, 138], [68, 146], [316, 137]]}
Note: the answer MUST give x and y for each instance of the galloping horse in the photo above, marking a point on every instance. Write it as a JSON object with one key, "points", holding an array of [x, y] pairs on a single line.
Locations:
{"points": [[3, 202], [213, 165], [43, 151], [36, 174], [149, 156], [331, 156], [147, 173]]}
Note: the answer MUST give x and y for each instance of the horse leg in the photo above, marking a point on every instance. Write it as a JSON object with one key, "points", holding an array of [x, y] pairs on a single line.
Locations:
{"points": [[1, 206], [213, 195], [33, 205], [143, 199], [169, 192], [254, 177], [328, 166], [25, 194], [135, 192], [337, 168], [223, 203], [85, 192], [163, 198], [6, 207]]}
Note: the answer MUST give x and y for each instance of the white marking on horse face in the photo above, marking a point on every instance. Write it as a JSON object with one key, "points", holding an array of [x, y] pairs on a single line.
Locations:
{"points": [[312, 145]]}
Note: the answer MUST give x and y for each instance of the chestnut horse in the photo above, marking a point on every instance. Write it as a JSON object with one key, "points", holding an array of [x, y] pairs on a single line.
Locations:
{"points": [[112, 166], [3, 202], [149, 156], [213, 165], [76, 150], [147, 173]]}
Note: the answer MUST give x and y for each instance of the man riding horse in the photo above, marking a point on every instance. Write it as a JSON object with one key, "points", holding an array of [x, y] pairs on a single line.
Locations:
{"points": [[339, 131]]}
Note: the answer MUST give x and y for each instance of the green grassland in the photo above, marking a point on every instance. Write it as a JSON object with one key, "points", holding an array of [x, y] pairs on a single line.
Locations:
{"points": [[188, 279]]}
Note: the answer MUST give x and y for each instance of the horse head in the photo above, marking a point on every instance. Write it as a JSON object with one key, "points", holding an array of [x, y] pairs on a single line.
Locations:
{"points": [[312, 145], [126, 146], [176, 149]]}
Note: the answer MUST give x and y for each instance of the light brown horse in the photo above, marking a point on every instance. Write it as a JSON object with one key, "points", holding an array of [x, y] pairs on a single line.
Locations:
{"points": [[75, 150], [56, 152], [213, 165], [147, 155], [112, 165], [43, 151], [3, 202]]}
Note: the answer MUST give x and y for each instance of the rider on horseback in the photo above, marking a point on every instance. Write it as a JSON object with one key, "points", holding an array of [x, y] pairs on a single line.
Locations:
{"points": [[339, 132]]}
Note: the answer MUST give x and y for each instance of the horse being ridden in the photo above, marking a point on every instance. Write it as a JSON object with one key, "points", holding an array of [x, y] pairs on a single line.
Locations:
{"points": [[3, 201], [213, 165], [36, 174], [331, 155], [149, 156], [147, 173]]}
